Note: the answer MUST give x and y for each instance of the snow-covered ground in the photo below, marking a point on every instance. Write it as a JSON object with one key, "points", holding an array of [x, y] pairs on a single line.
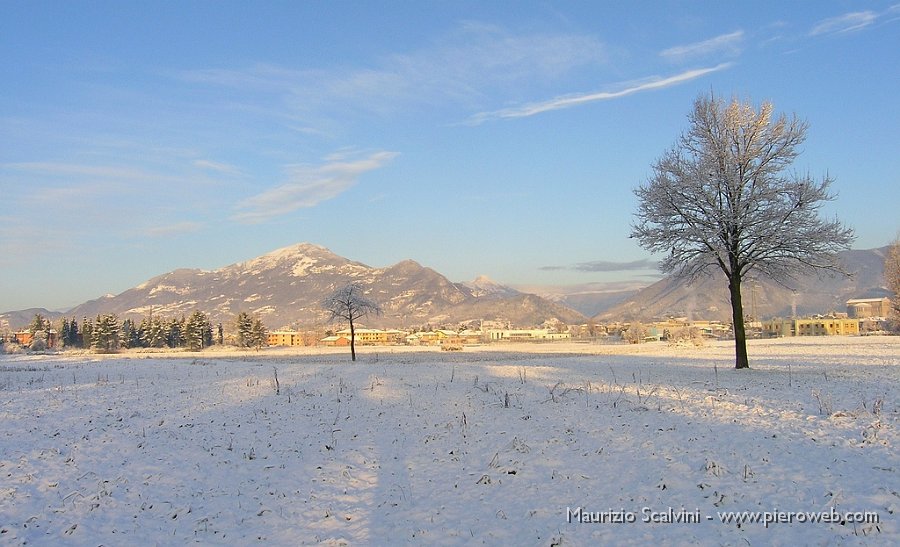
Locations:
{"points": [[486, 446]]}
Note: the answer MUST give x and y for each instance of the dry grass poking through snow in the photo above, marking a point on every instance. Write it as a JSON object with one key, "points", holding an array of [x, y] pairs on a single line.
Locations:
{"points": [[481, 447]]}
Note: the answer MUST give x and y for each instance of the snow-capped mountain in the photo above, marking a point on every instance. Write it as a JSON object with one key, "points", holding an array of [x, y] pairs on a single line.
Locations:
{"points": [[484, 285], [286, 287]]}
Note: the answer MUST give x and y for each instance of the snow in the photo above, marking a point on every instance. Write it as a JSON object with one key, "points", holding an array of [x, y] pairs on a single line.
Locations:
{"points": [[492, 445], [300, 257], [306, 266], [166, 288], [163, 309]]}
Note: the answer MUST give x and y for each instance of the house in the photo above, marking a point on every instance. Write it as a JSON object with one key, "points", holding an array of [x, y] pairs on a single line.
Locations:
{"points": [[26, 337], [335, 341], [864, 308], [471, 337]]}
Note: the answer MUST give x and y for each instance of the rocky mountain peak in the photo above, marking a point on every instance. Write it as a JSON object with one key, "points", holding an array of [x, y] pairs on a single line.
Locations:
{"points": [[484, 285], [297, 260]]}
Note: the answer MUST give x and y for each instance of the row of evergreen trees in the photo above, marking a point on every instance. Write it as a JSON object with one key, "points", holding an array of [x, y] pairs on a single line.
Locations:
{"points": [[107, 334]]}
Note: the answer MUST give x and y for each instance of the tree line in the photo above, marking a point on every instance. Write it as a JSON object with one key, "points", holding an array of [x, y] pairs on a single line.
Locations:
{"points": [[106, 333]]}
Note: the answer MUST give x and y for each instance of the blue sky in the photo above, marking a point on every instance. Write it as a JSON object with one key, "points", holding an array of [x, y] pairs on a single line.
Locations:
{"points": [[496, 138]]}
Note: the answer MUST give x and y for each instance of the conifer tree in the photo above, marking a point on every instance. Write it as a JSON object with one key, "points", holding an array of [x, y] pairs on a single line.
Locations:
{"points": [[105, 334], [143, 330], [127, 335], [207, 332], [154, 334], [64, 332], [74, 339], [258, 334], [136, 341], [175, 333], [195, 329], [87, 328], [38, 323], [244, 324]]}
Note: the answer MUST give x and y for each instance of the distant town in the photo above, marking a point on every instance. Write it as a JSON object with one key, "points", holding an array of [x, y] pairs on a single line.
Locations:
{"points": [[105, 334]]}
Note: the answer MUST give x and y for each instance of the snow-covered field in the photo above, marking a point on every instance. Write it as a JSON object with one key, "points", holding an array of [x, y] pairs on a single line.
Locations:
{"points": [[486, 446]]}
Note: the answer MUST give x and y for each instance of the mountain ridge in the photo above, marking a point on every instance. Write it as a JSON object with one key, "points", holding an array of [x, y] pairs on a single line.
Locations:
{"points": [[708, 297], [285, 287]]}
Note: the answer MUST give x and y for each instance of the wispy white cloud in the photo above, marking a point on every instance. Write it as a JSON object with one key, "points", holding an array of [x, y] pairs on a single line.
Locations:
{"points": [[218, 167], [458, 67], [258, 77], [79, 170], [848, 22], [174, 229], [607, 266], [67, 186], [309, 185], [729, 44], [103, 194], [23, 239], [568, 101]]}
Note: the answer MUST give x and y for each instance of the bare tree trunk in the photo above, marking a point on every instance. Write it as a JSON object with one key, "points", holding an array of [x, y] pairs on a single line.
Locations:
{"points": [[737, 318], [352, 341]]}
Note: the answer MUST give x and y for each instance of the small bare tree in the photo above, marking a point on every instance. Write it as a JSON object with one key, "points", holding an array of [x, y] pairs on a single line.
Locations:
{"points": [[635, 334], [350, 304], [722, 199]]}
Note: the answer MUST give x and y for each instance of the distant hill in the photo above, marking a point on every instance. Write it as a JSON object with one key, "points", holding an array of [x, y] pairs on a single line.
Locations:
{"points": [[589, 299], [708, 298], [285, 287], [14, 320]]}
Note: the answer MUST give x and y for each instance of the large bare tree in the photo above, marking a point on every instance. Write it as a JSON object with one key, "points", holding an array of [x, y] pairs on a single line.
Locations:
{"points": [[350, 304], [892, 277], [722, 198]]}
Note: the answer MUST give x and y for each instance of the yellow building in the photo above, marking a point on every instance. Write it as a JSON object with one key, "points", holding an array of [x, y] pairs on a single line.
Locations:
{"points": [[285, 338], [374, 337], [430, 338], [525, 335], [825, 326]]}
